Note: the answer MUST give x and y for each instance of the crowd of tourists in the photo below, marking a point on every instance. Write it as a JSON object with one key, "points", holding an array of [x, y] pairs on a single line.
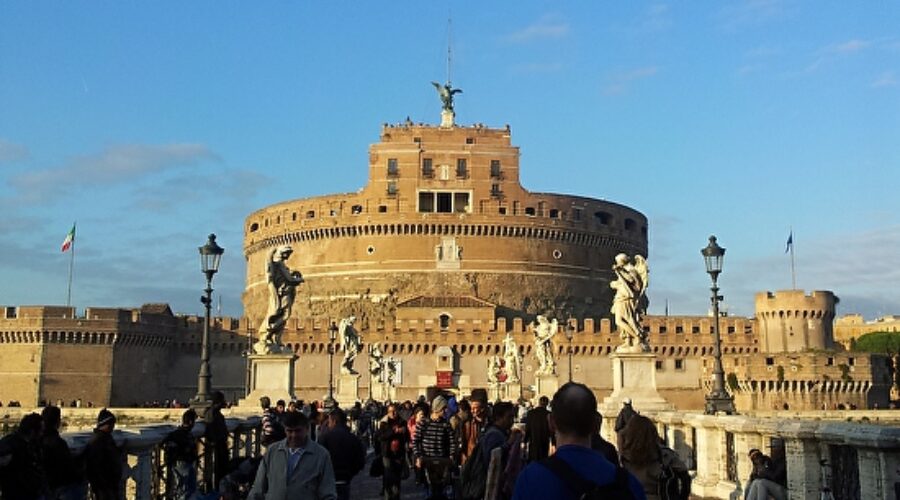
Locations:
{"points": [[439, 449]]}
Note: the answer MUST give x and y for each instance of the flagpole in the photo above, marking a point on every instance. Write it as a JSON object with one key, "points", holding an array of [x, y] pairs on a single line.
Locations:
{"points": [[71, 266], [793, 272]]}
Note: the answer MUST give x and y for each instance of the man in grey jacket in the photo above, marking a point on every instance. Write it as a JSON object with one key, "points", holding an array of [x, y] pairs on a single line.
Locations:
{"points": [[295, 467]]}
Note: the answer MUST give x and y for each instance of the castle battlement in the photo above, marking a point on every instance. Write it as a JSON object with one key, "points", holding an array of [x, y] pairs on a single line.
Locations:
{"points": [[792, 320]]}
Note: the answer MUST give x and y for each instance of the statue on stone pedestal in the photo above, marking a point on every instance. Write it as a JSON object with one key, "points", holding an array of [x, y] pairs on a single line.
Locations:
{"points": [[350, 342], [511, 359], [391, 369], [282, 284], [630, 302], [544, 331], [376, 361]]}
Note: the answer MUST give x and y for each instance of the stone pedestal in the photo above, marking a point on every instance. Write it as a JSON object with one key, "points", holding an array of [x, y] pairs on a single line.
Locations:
{"points": [[347, 393], [447, 118], [270, 375], [511, 391], [634, 377], [545, 385]]}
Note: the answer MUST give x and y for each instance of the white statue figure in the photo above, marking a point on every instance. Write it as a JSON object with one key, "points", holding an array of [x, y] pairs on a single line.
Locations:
{"points": [[544, 331], [391, 369], [494, 369], [630, 302], [376, 361], [511, 359], [282, 284], [349, 343]]}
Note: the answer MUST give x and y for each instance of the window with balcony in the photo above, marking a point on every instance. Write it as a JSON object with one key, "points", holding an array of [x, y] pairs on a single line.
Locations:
{"points": [[462, 169], [495, 169], [392, 167]]}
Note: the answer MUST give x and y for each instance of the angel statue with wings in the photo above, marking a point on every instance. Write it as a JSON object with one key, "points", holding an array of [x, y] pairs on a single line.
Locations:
{"points": [[446, 92], [544, 331], [376, 361], [630, 302], [350, 342], [282, 284]]}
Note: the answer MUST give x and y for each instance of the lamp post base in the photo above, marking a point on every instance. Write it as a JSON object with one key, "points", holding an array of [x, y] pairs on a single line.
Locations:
{"points": [[719, 402]]}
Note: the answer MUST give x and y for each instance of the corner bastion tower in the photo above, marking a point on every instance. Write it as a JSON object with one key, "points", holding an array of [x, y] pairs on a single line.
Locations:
{"points": [[443, 219]]}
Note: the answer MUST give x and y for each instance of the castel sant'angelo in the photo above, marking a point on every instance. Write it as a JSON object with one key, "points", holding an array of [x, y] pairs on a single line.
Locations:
{"points": [[442, 258]]}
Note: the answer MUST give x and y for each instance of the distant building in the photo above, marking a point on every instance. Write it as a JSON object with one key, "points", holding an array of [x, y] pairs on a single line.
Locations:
{"points": [[850, 327]]}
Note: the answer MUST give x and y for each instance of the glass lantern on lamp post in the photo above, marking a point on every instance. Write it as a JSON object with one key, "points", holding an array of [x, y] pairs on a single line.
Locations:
{"points": [[210, 256], [718, 399], [332, 336]]}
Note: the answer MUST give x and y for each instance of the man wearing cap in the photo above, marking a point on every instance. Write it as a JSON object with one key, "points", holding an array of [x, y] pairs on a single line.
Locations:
{"points": [[103, 459], [435, 446]]}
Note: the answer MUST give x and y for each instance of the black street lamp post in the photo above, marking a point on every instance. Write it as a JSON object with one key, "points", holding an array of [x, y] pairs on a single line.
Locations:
{"points": [[332, 335], [210, 255], [718, 400], [570, 332]]}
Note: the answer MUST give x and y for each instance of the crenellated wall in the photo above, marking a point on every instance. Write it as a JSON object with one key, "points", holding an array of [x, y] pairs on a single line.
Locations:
{"points": [[792, 321]]}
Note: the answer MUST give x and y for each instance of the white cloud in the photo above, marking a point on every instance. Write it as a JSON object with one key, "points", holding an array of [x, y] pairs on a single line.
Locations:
{"points": [[11, 152], [619, 82], [114, 165], [886, 79], [548, 26], [849, 47]]}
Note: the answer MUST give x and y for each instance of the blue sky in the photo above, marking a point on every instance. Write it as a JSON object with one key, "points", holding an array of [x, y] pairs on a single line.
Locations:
{"points": [[154, 124]]}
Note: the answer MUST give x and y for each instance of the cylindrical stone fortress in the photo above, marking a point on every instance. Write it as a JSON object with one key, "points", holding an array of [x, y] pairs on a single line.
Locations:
{"points": [[443, 215]]}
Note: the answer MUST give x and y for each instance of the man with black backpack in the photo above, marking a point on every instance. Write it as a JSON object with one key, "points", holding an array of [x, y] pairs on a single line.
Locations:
{"points": [[575, 472]]}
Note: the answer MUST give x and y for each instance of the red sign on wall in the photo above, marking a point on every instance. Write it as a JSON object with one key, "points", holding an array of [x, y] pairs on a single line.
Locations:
{"points": [[444, 379]]}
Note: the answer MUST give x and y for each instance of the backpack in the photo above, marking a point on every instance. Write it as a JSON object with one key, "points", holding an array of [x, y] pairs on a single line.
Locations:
{"points": [[473, 476], [672, 484], [589, 490]]}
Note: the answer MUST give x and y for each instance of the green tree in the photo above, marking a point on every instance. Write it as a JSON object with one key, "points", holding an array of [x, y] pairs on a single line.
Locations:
{"points": [[878, 342]]}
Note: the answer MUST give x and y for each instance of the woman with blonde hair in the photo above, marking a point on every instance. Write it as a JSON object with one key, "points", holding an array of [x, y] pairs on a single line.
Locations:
{"points": [[661, 472]]}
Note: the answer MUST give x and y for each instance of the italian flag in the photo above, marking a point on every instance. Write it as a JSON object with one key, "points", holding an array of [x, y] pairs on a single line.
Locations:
{"points": [[70, 238]]}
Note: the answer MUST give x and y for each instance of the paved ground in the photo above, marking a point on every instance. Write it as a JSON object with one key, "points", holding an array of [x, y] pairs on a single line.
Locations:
{"points": [[365, 487]]}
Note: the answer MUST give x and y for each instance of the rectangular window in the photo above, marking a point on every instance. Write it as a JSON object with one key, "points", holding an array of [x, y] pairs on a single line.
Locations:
{"points": [[695, 329], [445, 203], [663, 329], [679, 364], [731, 329], [460, 202], [659, 364], [770, 361], [576, 214], [461, 169], [392, 188], [427, 168], [495, 168], [495, 190], [502, 210], [426, 202], [392, 166], [679, 329]]}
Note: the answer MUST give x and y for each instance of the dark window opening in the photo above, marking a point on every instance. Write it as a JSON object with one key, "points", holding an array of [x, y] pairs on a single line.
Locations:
{"points": [[529, 211], [576, 214], [461, 168], [554, 213], [382, 209], [659, 364], [461, 202], [679, 364], [470, 140], [630, 224], [444, 203], [426, 202], [502, 210], [444, 321], [311, 214], [254, 227], [603, 217], [695, 329], [770, 361], [427, 168], [679, 329], [495, 190], [495, 168], [294, 217], [356, 209], [392, 188], [392, 166], [663, 329]]}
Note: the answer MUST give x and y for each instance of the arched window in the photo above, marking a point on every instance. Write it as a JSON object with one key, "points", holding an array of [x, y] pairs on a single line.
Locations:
{"points": [[444, 321]]}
